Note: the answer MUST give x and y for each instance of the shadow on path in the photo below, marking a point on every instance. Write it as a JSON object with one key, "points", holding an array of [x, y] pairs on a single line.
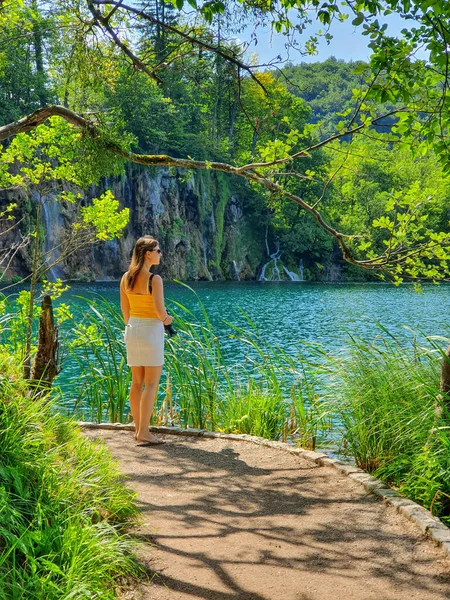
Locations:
{"points": [[225, 519]]}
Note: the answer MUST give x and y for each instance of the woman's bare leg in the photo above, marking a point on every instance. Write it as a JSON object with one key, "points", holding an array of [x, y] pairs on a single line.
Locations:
{"points": [[137, 381], [152, 376]]}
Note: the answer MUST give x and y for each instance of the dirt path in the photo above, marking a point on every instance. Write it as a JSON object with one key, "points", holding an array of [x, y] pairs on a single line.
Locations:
{"points": [[229, 520]]}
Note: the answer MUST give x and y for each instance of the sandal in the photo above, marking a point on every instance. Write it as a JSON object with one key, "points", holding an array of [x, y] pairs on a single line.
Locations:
{"points": [[150, 443]]}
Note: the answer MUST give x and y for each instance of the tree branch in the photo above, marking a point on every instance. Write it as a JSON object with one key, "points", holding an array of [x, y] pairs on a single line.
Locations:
{"points": [[104, 22], [193, 40], [325, 142], [40, 116]]}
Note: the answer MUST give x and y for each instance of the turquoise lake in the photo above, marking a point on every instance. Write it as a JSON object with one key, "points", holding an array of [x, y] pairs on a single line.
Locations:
{"points": [[288, 312], [291, 312]]}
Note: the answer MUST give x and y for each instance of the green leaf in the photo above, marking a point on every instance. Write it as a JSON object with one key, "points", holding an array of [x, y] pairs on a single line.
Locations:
{"points": [[358, 19]]}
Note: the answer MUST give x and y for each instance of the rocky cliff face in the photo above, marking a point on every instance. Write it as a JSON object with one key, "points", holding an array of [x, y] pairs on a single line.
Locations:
{"points": [[199, 220]]}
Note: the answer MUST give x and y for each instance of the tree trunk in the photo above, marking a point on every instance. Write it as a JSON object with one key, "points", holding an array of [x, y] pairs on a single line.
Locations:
{"points": [[233, 117], [163, 30], [45, 366], [445, 375], [254, 140], [39, 60], [218, 106], [34, 278]]}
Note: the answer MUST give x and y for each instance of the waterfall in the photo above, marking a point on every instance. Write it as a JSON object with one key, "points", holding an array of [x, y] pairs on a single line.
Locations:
{"points": [[54, 230], [205, 258], [275, 274], [235, 271], [276, 268], [262, 275], [292, 276]]}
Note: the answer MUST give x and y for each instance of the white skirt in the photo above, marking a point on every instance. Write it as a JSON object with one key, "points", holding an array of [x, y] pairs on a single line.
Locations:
{"points": [[144, 339]]}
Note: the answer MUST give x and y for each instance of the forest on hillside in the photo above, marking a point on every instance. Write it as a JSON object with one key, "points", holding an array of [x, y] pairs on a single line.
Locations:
{"points": [[194, 106]]}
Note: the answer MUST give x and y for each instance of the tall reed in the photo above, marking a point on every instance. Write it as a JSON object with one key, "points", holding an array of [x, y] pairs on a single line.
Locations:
{"points": [[393, 421], [196, 368], [274, 395], [263, 393], [96, 345]]}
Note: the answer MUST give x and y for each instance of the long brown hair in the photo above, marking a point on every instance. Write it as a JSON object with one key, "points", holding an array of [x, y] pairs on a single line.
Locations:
{"points": [[147, 242]]}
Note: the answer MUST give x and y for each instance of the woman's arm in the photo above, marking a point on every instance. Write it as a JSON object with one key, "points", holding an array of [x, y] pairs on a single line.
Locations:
{"points": [[158, 299], [124, 302]]}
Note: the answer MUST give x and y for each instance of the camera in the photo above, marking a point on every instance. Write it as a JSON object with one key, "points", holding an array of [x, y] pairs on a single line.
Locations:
{"points": [[169, 329]]}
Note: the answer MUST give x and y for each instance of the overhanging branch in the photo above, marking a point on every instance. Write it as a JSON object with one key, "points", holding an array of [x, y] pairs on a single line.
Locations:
{"points": [[40, 116]]}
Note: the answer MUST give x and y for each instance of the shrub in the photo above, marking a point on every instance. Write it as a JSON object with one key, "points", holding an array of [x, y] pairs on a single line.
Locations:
{"points": [[63, 509]]}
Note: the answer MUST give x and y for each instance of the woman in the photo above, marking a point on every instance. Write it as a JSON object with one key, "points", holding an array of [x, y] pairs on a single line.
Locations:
{"points": [[142, 304]]}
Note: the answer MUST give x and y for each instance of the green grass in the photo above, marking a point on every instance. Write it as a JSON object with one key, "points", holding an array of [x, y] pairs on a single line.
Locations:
{"points": [[63, 509], [393, 421]]}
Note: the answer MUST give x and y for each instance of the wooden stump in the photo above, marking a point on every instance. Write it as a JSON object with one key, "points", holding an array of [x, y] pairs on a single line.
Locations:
{"points": [[45, 366], [445, 373]]}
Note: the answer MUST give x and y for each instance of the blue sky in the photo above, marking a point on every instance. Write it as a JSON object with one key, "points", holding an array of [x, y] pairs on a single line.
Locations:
{"points": [[348, 43]]}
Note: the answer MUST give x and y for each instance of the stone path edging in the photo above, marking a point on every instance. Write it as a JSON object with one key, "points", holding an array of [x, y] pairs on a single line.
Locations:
{"points": [[420, 516]]}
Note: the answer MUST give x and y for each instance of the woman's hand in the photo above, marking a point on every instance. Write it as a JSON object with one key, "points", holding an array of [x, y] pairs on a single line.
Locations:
{"points": [[168, 320]]}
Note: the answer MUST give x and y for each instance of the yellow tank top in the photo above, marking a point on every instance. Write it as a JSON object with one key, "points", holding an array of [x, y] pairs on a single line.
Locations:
{"points": [[142, 306]]}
